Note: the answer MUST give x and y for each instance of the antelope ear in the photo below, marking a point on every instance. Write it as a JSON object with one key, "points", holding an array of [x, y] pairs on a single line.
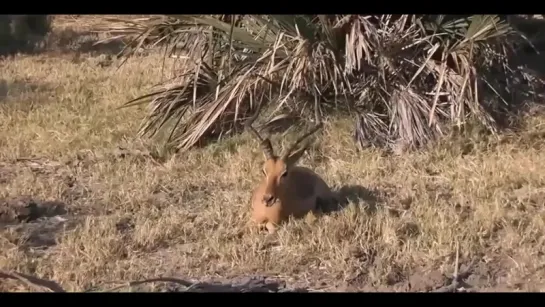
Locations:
{"points": [[296, 155]]}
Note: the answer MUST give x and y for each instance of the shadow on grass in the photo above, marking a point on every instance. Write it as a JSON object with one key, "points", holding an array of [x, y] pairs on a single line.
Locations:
{"points": [[348, 194], [17, 88]]}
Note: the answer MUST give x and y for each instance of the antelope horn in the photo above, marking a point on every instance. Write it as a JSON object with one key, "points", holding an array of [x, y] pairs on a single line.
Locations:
{"points": [[318, 125], [265, 143]]}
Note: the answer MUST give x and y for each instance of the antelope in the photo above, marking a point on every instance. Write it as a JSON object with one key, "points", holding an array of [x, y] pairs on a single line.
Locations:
{"points": [[286, 189]]}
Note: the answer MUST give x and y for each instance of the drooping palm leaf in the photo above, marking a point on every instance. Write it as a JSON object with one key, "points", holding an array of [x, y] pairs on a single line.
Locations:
{"points": [[406, 76]]}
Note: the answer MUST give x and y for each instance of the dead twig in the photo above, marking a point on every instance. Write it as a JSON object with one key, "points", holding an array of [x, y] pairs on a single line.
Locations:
{"points": [[455, 280], [39, 284], [130, 284], [251, 285]]}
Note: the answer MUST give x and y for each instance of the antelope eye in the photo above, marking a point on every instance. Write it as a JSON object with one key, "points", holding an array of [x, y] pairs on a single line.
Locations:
{"points": [[264, 173]]}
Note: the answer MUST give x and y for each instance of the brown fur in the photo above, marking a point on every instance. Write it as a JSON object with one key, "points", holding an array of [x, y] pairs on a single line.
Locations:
{"points": [[286, 190], [297, 194]]}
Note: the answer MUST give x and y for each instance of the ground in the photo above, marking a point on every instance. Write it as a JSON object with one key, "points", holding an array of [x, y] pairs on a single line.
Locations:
{"points": [[88, 205]]}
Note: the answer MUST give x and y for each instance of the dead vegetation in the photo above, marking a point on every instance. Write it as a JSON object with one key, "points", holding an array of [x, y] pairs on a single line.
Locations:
{"points": [[404, 79], [87, 205]]}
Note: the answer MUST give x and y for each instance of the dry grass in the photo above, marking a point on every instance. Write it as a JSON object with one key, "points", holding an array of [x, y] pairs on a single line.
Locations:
{"points": [[132, 217]]}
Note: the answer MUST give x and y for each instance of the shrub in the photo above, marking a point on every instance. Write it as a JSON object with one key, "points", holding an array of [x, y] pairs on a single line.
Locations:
{"points": [[405, 79], [22, 32]]}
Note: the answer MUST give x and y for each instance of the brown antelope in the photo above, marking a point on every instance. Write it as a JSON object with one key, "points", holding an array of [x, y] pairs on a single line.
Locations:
{"points": [[286, 190]]}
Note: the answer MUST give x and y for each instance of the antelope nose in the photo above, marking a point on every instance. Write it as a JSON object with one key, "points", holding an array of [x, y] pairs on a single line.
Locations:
{"points": [[268, 199]]}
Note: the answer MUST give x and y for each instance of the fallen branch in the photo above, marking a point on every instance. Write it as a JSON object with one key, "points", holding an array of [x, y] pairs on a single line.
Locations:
{"points": [[39, 284], [251, 285], [152, 280], [457, 276]]}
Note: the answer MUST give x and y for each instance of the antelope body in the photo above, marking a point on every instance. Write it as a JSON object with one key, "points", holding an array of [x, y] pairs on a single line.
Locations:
{"points": [[286, 189]]}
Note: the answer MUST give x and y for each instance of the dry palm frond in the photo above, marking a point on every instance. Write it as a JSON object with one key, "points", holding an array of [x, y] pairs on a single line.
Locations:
{"points": [[404, 75]]}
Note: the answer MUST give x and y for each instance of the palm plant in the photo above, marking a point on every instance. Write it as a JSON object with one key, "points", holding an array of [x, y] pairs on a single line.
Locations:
{"points": [[405, 79]]}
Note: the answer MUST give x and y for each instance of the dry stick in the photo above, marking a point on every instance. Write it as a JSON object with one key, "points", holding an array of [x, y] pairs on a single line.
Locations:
{"points": [[130, 284], [189, 285], [454, 285], [33, 282], [455, 281]]}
